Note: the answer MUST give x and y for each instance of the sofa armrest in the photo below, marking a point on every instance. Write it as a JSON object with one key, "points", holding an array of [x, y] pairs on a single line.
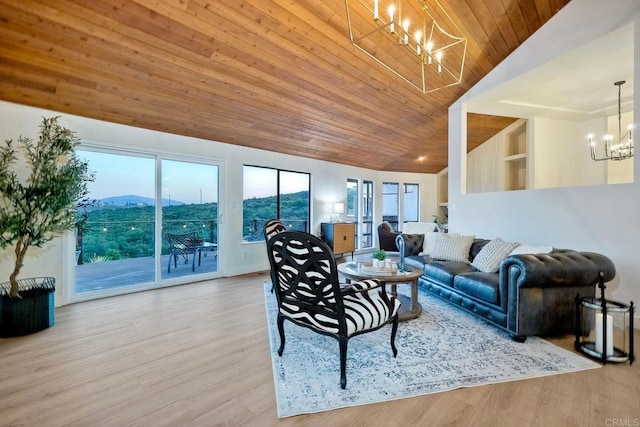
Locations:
{"points": [[387, 237], [409, 244], [558, 268]]}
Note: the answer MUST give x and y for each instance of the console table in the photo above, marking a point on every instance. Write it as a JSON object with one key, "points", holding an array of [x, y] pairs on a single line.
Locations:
{"points": [[340, 236]]}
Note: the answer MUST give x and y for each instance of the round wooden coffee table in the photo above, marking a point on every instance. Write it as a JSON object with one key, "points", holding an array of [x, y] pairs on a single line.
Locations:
{"points": [[410, 308]]}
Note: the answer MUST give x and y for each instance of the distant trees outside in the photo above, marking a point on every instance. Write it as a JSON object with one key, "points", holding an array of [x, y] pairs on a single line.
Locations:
{"points": [[261, 187], [128, 232]]}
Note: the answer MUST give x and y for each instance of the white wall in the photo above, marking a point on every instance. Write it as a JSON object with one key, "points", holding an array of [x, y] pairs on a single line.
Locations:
{"points": [[328, 184], [601, 218], [561, 154]]}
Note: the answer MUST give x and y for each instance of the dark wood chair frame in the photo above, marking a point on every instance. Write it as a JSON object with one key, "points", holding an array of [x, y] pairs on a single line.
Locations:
{"points": [[278, 244]]}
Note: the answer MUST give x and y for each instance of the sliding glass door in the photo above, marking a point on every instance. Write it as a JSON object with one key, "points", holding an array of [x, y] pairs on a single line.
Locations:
{"points": [[189, 218], [115, 247], [124, 243]]}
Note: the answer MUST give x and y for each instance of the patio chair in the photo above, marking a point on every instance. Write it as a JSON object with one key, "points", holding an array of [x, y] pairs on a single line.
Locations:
{"points": [[183, 245], [309, 294]]}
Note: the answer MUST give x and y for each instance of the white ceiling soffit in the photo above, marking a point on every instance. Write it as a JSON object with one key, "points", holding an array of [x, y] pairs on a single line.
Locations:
{"points": [[578, 85]]}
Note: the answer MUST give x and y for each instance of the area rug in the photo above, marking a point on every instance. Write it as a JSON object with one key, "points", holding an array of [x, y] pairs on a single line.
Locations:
{"points": [[444, 349]]}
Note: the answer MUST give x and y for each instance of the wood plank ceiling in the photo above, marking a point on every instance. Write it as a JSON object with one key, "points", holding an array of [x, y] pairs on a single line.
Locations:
{"points": [[279, 75]]}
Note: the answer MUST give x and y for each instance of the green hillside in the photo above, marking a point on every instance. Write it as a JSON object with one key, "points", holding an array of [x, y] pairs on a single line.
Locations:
{"points": [[128, 232]]}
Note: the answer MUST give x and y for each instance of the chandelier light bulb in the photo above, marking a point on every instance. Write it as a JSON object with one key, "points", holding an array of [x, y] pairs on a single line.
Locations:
{"points": [[391, 10], [429, 47], [418, 36], [405, 27], [439, 58], [375, 10]]}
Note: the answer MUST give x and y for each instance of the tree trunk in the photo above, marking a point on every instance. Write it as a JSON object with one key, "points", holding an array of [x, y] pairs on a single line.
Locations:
{"points": [[21, 250]]}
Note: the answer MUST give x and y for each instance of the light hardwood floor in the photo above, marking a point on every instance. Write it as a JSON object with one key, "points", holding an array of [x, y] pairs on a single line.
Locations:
{"points": [[198, 355]]}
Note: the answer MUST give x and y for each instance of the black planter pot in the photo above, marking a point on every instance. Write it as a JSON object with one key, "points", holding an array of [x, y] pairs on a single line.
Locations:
{"points": [[32, 312]]}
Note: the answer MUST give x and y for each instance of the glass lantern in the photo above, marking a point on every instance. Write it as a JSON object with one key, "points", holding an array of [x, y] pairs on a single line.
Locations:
{"points": [[604, 328]]}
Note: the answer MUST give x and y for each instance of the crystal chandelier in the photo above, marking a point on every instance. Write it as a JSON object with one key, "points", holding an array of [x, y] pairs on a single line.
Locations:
{"points": [[621, 150], [415, 39]]}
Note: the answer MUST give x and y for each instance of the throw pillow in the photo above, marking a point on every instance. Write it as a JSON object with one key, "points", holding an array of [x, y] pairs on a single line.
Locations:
{"points": [[491, 255], [429, 242], [452, 247], [530, 249]]}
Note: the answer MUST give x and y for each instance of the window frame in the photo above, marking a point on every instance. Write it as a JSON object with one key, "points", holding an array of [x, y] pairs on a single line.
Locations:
{"points": [[278, 171]]}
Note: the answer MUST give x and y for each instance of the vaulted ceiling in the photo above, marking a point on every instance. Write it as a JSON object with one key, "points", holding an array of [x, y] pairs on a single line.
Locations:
{"points": [[280, 75]]}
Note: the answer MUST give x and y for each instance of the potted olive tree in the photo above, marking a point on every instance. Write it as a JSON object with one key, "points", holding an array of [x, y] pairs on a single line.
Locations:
{"points": [[42, 184]]}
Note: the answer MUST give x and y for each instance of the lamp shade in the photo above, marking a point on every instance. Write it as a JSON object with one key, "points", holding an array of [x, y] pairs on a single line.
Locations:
{"points": [[338, 208]]}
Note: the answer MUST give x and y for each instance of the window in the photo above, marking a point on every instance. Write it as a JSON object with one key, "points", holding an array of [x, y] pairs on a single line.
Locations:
{"points": [[352, 205], [367, 214], [360, 211], [390, 203], [410, 203], [274, 193]]}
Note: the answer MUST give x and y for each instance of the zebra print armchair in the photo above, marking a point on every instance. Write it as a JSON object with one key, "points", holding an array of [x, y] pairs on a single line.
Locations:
{"points": [[272, 227], [309, 294]]}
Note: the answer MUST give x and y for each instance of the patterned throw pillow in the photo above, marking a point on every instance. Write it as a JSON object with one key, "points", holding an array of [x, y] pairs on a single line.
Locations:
{"points": [[491, 255], [452, 247]]}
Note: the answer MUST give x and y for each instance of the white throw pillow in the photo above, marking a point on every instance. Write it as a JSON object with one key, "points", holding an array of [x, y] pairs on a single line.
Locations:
{"points": [[429, 242], [530, 249], [491, 255], [451, 247]]}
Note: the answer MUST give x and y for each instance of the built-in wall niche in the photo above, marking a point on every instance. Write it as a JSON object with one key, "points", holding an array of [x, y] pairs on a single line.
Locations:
{"points": [[515, 156], [501, 162], [443, 192]]}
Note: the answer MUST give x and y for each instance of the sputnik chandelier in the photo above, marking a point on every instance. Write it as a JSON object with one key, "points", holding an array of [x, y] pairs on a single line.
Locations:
{"points": [[623, 148], [415, 39]]}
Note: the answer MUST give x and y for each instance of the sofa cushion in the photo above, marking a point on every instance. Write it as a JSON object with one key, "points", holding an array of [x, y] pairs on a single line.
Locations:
{"points": [[452, 247], [484, 286], [491, 255], [445, 271]]}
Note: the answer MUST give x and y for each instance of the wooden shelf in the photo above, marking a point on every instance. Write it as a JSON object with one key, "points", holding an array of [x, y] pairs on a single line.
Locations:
{"points": [[515, 157], [443, 192]]}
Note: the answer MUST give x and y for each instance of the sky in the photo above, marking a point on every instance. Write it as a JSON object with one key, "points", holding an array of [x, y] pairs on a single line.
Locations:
{"points": [[118, 175], [262, 182]]}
